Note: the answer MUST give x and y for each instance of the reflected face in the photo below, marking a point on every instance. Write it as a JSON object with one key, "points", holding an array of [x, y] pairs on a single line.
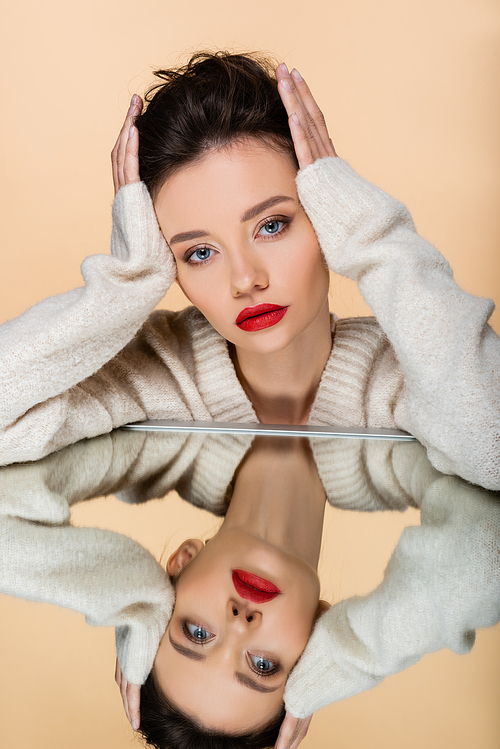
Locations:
{"points": [[247, 255], [224, 658]]}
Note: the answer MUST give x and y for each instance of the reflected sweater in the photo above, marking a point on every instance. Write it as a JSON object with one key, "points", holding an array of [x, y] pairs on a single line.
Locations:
{"points": [[82, 363]]}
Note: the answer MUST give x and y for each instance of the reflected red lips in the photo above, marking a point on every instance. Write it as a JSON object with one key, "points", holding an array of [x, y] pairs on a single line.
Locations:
{"points": [[259, 317], [254, 588]]}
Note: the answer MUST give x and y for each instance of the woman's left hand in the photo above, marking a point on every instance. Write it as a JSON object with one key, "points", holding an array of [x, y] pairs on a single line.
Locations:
{"points": [[306, 120], [131, 697]]}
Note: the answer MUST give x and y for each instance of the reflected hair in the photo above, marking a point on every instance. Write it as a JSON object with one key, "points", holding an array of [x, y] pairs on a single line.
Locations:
{"points": [[217, 98], [163, 726]]}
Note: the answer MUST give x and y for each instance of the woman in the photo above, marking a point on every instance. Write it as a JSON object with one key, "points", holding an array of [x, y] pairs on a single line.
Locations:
{"points": [[219, 156], [247, 239]]}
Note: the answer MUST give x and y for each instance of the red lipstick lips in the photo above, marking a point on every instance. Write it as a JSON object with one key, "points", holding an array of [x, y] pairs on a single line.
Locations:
{"points": [[254, 588], [259, 317]]}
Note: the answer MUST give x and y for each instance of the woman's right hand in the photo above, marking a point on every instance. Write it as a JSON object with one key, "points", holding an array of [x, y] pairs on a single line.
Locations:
{"points": [[125, 154]]}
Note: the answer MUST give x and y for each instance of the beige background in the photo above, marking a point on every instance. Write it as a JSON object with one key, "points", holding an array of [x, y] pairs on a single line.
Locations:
{"points": [[410, 91]]}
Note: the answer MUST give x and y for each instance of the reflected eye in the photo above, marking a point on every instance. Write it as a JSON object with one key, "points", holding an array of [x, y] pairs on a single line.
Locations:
{"points": [[271, 227], [200, 255], [196, 633], [262, 665]]}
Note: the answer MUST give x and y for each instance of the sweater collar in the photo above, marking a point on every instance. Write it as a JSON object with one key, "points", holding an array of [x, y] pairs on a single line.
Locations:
{"points": [[216, 378], [223, 394]]}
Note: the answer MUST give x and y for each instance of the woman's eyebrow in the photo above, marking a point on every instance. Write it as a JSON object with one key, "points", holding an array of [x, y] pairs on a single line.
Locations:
{"points": [[185, 236], [248, 682], [253, 212], [186, 651]]}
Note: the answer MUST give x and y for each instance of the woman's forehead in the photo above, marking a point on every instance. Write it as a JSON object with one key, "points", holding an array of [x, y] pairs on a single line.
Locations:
{"points": [[210, 692], [233, 179]]}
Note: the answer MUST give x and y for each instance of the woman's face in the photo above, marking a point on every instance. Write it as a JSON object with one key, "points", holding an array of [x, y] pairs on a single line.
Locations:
{"points": [[242, 239], [224, 659]]}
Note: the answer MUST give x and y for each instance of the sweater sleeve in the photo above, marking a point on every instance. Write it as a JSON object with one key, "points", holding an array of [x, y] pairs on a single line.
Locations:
{"points": [[448, 354], [442, 582], [66, 339], [104, 575]]}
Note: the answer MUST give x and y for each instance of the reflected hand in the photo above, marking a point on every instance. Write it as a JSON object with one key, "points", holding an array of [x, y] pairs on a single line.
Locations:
{"points": [[292, 731], [125, 154], [131, 697], [305, 118]]}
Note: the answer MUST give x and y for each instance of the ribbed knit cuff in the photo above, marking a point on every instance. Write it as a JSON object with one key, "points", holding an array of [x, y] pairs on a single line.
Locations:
{"points": [[344, 207], [137, 643], [330, 668]]}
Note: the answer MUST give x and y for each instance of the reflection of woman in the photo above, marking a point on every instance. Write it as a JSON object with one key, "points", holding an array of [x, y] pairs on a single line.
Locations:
{"points": [[219, 157], [442, 581], [244, 607]]}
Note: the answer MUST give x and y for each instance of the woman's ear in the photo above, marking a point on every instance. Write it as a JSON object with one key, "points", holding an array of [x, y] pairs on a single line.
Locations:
{"points": [[323, 607], [187, 551]]}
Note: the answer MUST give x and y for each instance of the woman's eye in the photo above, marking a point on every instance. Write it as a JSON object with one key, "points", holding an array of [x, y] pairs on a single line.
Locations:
{"points": [[271, 227], [200, 255], [262, 665], [197, 633]]}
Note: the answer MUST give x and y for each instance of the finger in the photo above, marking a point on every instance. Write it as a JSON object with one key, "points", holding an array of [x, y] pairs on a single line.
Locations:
{"points": [[118, 673], [292, 731], [302, 732], [287, 732], [123, 692], [301, 142], [281, 72], [117, 152], [314, 115], [134, 109], [294, 105], [131, 160], [120, 147], [134, 702]]}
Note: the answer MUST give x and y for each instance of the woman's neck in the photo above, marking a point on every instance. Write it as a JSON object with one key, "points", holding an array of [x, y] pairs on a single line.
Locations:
{"points": [[279, 498], [282, 386]]}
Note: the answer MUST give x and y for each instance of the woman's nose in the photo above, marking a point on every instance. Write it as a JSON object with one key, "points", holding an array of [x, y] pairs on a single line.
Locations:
{"points": [[246, 616], [247, 274]]}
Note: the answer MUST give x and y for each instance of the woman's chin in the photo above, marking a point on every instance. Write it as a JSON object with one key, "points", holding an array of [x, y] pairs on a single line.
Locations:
{"points": [[247, 550]]}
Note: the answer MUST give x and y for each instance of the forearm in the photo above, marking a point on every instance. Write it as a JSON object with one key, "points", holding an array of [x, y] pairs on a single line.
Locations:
{"points": [[63, 340], [448, 354], [106, 576], [441, 583]]}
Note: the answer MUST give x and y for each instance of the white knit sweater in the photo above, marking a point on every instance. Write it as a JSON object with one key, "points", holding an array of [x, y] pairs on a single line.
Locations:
{"points": [[442, 582], [429, 363]]}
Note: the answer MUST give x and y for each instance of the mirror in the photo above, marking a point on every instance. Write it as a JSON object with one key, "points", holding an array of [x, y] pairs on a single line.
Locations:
{"points": [[408, 558]]}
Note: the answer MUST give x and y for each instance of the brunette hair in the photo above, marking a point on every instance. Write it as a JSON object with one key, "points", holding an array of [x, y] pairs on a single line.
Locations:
{"points": [[165, 727], [212, 101]]}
